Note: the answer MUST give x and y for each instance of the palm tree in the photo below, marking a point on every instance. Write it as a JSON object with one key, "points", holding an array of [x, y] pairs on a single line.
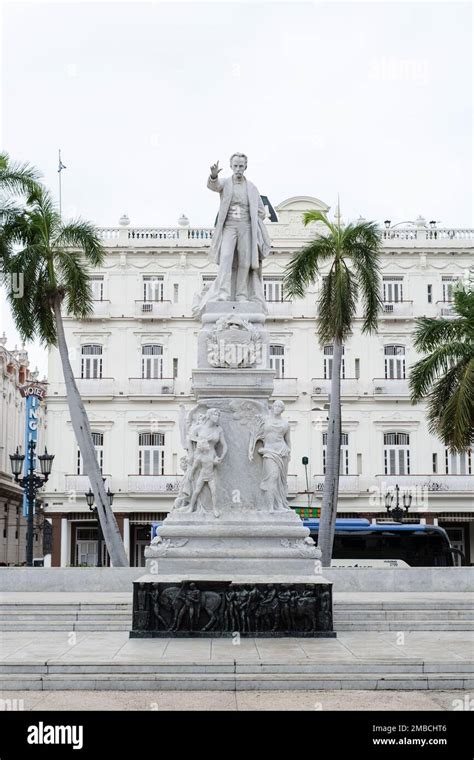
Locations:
{"points": [[16, 180], [445, 377], [352, 252], [54, 260]]}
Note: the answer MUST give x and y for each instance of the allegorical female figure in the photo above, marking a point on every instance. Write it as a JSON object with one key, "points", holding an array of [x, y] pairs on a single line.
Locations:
{"points": [[274, 432]]}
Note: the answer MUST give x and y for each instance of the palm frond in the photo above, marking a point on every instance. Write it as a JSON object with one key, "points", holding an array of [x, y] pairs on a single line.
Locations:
{"points": [[304, 267], [17, 178], [83, 235], [442, 360]]}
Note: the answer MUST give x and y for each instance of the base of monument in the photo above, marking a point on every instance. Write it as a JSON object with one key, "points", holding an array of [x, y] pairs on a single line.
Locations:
{"points": [[212, 607]]}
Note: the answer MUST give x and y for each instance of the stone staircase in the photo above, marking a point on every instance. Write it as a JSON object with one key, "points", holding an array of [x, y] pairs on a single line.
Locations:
{"points": [[356, 615], [415, 674]]}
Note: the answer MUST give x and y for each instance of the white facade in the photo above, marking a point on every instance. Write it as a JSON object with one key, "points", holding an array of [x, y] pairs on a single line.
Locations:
{"points": [[134, 357]]}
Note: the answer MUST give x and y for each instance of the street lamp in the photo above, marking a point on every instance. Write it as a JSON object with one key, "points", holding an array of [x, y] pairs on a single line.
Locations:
{"points": [[90, 503], [397, 512], [31, 483]]}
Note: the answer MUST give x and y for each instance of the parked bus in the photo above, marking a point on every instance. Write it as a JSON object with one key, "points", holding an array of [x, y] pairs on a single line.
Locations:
{"points": [[360, 543]]}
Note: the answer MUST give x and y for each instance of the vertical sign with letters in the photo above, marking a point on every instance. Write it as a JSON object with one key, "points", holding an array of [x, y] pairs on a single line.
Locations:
{"points": [[34, 394]]}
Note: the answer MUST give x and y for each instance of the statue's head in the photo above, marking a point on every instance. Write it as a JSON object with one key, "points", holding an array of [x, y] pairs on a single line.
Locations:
{"points": [[213, 415], [238, 164], [278, 407]]}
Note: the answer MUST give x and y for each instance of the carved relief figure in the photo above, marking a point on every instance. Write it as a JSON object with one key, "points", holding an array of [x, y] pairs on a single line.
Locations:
{"points": [[206, 448], [205, 460], [274, 432]]}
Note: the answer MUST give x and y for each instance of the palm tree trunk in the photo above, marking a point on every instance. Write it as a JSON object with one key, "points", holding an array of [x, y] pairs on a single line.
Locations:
{"points": [[81, 427], [327, 523]]}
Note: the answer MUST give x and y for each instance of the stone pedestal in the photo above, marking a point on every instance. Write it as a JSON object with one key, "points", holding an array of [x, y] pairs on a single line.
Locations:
{"points": [[246, 549]]}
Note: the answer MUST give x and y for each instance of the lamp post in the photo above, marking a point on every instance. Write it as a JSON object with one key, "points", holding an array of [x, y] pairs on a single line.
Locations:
{"points": [[305, 462], [397, 512], [100, 538], [31, 483]]}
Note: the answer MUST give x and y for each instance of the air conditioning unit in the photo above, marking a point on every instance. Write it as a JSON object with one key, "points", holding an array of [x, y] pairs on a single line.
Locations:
{"points": [[147, 308], [317, 391], [388, 307], [379, 389], [166, 389]]}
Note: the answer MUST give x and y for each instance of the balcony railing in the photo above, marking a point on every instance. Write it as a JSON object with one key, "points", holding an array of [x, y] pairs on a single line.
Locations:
{"points": [[321, 387], [347, 483], [169, 484], [279, 309], [279, 231], [155, 236], [431, 482], [101, 310], [285, 387], [446, 309], [80, 484], [390, 387], [161, 484], [152, 309], [424, 236], [397, 309], [149, 387], [95, 386]]}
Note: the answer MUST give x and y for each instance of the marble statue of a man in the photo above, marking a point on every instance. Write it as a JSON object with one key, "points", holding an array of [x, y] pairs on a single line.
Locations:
{"points": [[240, 239]]}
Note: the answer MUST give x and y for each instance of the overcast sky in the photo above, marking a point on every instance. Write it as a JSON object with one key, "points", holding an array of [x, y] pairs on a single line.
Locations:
{"points": [[371, 100]]}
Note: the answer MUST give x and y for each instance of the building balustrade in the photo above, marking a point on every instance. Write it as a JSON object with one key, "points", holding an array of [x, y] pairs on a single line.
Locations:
{"points": [[279, 309], [446, 309], [152, 309], [396, 309], [80, 484], [321, 387], [150, 386], [285, 387], [96, 386], [347, 483], [433, 483], [390, 387]]}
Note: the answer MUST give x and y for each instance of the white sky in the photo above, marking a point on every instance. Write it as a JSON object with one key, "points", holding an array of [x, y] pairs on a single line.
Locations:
{"points": [[371, 100]]}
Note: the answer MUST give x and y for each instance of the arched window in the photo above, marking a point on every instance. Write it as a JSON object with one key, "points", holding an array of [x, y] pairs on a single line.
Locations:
{"points": [[277, 359], [91, 361], [151, 454], [328, 353], [98, 441], [344, 460], [396, 453], [152, 361], [394, 362]]}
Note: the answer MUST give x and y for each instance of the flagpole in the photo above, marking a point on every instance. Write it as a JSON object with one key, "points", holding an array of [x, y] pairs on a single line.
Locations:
{"points": [[60, 168]]}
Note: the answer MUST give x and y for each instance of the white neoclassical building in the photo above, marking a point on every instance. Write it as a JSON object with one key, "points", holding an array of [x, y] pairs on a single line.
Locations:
{"points": [[133, 360]]}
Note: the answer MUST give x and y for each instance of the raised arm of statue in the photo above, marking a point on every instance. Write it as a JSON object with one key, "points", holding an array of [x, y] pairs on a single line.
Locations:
{"points": [[213, 181]]}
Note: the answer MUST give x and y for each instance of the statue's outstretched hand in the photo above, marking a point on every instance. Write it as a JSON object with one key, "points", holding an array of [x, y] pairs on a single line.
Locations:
{"points": [[215, 170]]}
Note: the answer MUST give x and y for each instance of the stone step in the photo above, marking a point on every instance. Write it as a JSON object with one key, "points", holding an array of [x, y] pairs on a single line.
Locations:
{"points": [[400, 625], [404, 625], [63, 667], [235, 681]]}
